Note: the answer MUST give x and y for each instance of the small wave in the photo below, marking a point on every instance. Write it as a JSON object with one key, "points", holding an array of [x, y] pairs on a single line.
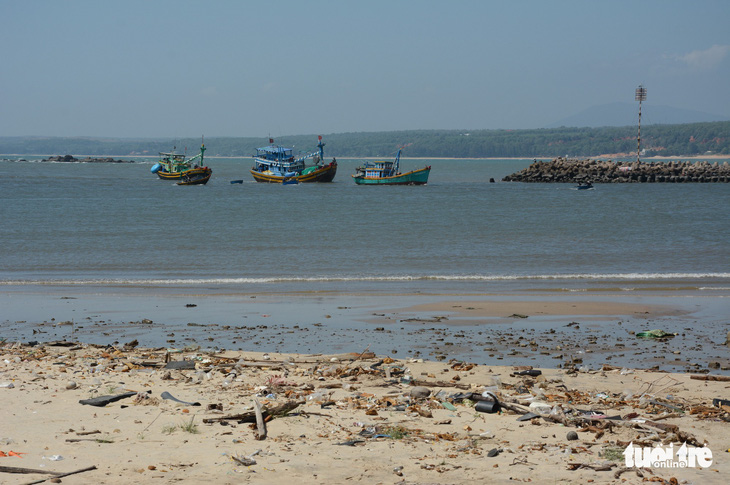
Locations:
{"points": [[644, 277]]}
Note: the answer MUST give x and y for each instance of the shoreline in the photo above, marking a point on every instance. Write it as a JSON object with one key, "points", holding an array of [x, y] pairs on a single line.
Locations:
{"points": [[537, 328]]}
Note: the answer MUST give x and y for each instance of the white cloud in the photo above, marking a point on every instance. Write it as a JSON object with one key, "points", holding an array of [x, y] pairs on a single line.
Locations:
{"points": [[707, 59]]}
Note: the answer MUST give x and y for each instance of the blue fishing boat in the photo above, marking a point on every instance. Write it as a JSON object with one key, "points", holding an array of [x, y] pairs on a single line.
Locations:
{"points": [[276, 164]]}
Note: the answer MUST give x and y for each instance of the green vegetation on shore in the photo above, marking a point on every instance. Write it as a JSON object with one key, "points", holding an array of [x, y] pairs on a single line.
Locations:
{"points": [[658, 140]]}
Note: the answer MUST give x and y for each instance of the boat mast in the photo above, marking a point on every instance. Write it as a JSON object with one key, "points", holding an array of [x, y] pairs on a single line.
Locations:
{"points": [[396, 165], [639, 96], [320, 145]]}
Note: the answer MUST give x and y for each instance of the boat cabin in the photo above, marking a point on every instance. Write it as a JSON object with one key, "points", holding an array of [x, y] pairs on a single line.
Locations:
{"points": [[377, 169], [277, 159]]}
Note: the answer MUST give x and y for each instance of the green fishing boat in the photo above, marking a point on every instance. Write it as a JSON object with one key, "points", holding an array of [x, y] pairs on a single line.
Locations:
{"points": [[387, 173], [187, 171]]}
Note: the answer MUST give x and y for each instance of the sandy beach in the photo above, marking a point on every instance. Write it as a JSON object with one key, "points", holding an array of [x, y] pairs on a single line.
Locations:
{"points": [[355, 418], [355, 415]]}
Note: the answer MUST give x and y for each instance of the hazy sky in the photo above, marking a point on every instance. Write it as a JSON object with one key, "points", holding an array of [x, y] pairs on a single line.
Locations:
{"points": [[176, 68]]}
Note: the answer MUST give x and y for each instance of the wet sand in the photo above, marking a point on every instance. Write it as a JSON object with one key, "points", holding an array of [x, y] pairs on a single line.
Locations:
{"points": [[549, 330]]}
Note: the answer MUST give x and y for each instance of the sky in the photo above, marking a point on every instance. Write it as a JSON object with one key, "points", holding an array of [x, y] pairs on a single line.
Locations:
{"points": [[239, 68]]}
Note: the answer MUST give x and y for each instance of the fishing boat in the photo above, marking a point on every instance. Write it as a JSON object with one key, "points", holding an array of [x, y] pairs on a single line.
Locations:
{"points": [[276, 164], [387, 173], [584, 186], [188, 171]]}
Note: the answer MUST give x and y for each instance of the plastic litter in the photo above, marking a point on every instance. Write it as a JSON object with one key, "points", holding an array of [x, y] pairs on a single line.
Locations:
{"points": [[656, 333], [167, 395]]}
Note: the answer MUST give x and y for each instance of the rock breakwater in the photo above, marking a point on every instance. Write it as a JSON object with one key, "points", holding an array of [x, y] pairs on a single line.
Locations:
{"points": [[568, 170], [72, 159]]}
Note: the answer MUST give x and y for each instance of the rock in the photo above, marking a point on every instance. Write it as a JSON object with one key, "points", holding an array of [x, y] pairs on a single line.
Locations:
{"points": [[564, 170], [572, 436], [71, 385], [420, 392]]}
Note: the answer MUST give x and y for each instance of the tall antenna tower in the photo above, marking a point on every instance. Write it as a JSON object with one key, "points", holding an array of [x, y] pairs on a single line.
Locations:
{"points": [[640, 96]]}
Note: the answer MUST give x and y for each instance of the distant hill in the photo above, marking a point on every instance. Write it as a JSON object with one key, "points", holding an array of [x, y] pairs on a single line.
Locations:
{"points": [[663, 140], [626, 114]]}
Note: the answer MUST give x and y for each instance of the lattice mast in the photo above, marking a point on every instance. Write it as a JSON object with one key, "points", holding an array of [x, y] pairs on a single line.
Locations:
{"points": [[640, 96]]}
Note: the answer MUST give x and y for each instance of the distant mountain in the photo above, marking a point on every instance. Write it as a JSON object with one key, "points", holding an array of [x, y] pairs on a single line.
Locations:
{"points": [[627, 114]]}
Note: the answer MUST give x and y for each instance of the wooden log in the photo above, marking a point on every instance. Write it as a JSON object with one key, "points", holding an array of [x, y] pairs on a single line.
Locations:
{"points": [[710, 378], [61, 475], [416, 382], [250, 416], [14, 469]]}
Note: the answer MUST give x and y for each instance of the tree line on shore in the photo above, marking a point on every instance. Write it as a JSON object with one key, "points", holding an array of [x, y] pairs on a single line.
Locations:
{"points": [[657, 140]]}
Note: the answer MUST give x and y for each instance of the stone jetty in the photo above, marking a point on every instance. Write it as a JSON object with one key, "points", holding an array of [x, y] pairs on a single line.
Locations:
{"points": [[569, 170], [72, 159]]}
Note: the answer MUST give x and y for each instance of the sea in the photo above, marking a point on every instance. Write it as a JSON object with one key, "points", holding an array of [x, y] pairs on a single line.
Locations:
{"points": [[68, 227], [108, 223]]}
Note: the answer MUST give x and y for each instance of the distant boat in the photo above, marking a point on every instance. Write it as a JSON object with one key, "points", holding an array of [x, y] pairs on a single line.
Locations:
{"points": [[275, 164], [584, 186], [386, 173], [175, 166]]}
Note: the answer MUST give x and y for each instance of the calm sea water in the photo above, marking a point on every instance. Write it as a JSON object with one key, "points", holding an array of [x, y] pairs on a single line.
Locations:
{"points": [[118, 224]]}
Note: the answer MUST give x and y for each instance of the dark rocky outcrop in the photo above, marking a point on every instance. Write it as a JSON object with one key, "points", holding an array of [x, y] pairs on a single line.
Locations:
{"points": [[72, 159], [564, 170]]}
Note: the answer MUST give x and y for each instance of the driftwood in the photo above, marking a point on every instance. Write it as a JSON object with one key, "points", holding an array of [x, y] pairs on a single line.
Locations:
{"points": [[599, 467], [416, 382], [260, 423], [13, 469], [250, 416], [98, 440], [61, 475], [711, 378]]}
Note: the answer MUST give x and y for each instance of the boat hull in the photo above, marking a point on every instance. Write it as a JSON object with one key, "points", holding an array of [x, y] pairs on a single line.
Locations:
{"points": [[196, 179], [192, 173], [323, 174], [415, 177]]}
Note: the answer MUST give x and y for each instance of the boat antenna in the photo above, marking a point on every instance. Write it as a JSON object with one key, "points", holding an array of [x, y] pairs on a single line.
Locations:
{"points": [[639, 96]]}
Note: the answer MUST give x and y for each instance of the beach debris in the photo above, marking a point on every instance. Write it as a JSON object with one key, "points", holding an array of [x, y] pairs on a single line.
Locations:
{"points": [[16, 454], [170, 397], [260, 423], [657, 333], [250, 416], [710, 378], [102, 401], [527, 372], [419, 392], [180, 365]]}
